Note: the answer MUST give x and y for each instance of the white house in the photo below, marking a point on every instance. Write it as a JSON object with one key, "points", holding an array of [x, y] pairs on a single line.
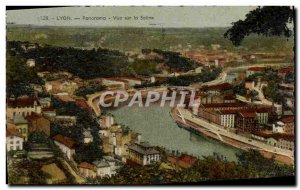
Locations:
{"points": [[106, 121], [143, 153], [66, 145], [278, 127], [103, 168], [30, 62], [14, 140], [106, 166], [87, 136]]}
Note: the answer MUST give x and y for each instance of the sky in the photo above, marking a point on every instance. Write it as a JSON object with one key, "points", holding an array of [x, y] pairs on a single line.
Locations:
{"points": [[196, 17]]}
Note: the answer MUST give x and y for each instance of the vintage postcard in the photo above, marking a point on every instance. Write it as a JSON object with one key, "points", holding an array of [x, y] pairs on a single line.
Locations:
{"points": [[130, 95]]}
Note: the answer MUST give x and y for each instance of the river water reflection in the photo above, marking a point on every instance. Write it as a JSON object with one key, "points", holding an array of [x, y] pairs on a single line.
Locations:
{"points": [[158, 128]]}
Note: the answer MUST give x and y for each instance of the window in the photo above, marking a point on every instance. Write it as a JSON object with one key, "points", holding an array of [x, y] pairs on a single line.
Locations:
{"points": [[11, 142], [18, 142], [18, 148]]}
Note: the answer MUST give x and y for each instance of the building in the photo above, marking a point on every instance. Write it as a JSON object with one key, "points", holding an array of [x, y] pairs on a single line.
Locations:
{"points": [[14, 140], [87, 136], [45, 102], [66, 120], [61, 86], [115, 83], [183, 161], [227, 118], [288, 124], [66, 145], [218, 89], [261, 135], [22, 106], [132, 81], [229, 99], [247, 121], [30, 62], [250, 84], [103, 168], [254, 70], [21, 126], [282, 141], [278, 127], [38, 123], [282, 72], [87, 170], [49, 113], [143, 153], [106, 121]]}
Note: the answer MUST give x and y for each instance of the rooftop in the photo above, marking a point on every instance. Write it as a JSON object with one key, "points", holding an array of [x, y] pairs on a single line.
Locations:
{"points": [[12, 132], [286, 69], [288, 119], [224, 86], [247, 113], [256, 68], [65, 140], [22, 102], [101, 163], [86, 165], [143, 148], [234, 104]]}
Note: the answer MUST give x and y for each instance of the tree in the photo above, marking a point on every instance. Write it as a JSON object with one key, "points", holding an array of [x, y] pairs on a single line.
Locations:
{"points": [[267, 21]]}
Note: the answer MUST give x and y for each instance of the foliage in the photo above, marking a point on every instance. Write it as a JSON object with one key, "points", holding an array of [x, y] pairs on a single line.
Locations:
{"points": [[175, 60], [86, 64], [272, 91], [250, 164], [19, 77], [88, 152], [289, 77], [85, 120], [142, 67], [186, 80], [267, 21]]}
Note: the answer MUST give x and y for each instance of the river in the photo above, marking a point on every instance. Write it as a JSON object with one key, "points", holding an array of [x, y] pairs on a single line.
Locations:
{"points": [[158, 128]]}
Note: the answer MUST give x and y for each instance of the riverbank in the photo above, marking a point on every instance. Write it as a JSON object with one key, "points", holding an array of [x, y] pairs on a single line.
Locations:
{"points": [[234, 140]]}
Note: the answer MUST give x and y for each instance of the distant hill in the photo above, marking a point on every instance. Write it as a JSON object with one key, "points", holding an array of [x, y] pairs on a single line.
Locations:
{"points": [[127, 39]]}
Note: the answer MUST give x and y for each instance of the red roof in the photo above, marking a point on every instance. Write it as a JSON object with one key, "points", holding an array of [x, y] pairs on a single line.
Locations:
{"points": [[287, 119], [82, 104], [286, 69], [21, 102], [229, 97], [48, 109], [256, 68], [187, 158], [65, 140], [229, 111], [284, 137], [257, 110], [234, 104], [86, 165], [265, 134], [12, 132], [224, 86], [248, 113]]}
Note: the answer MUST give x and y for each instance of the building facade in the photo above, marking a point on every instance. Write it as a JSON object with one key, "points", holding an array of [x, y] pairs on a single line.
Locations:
{"points": [[142, 153]]}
